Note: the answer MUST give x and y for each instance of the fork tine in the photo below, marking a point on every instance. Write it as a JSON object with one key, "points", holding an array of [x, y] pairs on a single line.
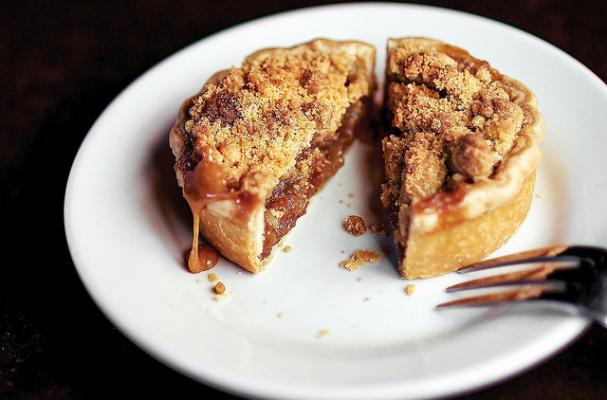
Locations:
{"points": [[509, 296], [569, 260], [528, 276], [536, 255]]}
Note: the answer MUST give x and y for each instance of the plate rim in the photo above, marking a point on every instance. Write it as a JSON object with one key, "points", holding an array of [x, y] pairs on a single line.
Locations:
{"points": [[275, 391]]}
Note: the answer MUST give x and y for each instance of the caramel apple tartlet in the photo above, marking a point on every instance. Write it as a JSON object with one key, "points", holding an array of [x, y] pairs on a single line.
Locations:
{"points": [[460, 155], [257, 142]]}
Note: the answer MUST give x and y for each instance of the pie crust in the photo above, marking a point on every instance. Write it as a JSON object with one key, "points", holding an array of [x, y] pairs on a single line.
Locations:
{"points": [[258, 141], [460, 153]]}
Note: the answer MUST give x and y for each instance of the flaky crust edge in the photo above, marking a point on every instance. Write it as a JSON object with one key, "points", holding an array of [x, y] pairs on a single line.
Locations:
{"points": [[240, 237]]}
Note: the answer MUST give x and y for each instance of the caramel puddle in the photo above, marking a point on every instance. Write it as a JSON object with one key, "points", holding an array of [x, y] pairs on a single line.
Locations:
{"points": [[202, 257]]}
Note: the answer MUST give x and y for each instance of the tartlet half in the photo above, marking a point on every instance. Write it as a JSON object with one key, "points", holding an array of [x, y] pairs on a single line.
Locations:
{"points": [[460, 155], [257, 142]]}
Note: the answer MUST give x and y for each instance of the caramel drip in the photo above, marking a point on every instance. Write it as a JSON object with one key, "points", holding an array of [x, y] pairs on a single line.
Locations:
{"points": [[194, 263], [202, 257], [203, 185]]}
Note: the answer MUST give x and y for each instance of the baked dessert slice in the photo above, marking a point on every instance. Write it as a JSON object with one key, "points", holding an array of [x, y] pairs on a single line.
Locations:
{"points": [[460, 155], [257, 142]]}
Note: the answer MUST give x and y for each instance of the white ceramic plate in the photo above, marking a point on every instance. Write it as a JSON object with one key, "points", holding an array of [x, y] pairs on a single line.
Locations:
{"points": [[128, 228]]}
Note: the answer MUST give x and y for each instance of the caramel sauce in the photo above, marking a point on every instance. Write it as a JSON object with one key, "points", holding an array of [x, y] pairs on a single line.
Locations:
{"points": [[202, 258], [203, 185]]}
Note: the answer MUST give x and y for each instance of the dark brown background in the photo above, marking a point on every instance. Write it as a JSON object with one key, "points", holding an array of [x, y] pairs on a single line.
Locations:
{"points": [[61, 63]]}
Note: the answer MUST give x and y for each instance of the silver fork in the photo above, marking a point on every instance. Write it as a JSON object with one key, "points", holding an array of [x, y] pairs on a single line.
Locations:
{"points": [[571, 275]]}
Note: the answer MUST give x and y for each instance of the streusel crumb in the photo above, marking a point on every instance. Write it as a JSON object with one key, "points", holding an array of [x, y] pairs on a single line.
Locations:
{"points": [[219, 288], [355, 225]]}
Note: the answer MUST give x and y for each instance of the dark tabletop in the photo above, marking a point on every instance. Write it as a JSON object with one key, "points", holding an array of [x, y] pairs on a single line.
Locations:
{"points": [[61, 63]]}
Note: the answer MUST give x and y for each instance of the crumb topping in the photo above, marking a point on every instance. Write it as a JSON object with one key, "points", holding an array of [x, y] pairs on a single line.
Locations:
{"points": [[259, 117], [470, 155], [421, 175], [360, 258], [455, 119], [355, 225], [424, 169]]}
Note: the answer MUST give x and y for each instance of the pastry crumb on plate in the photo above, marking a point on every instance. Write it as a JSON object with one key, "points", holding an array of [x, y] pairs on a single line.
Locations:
{"points": [[324, 333], [219, 288], [355, 225], [359, 258]]}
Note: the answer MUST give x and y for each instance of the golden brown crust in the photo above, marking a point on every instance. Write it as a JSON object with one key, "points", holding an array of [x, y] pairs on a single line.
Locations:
{"points": [[236, 239], [251, 123], [450, 246], [487, 127]]}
